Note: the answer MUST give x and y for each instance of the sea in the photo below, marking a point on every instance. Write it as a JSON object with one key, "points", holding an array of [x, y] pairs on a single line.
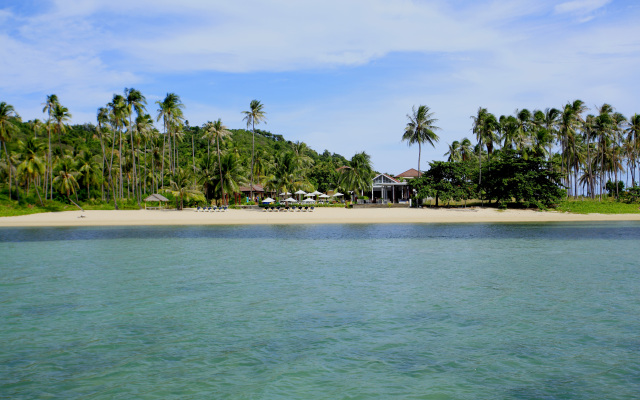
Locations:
{"points": [[363, 311]]}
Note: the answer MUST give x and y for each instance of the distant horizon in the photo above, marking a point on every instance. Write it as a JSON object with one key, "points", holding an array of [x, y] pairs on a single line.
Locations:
{"points": [[336, 76]]}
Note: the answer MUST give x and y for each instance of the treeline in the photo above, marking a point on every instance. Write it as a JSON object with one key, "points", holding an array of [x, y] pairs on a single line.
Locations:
{"points": [[124, 156]]}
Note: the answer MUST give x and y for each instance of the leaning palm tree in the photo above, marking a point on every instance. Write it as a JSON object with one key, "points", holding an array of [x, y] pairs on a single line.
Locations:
{"points": [[454, 152], [420, 129], [8, 118], [61, 115], [65, 180], [254, 116]]}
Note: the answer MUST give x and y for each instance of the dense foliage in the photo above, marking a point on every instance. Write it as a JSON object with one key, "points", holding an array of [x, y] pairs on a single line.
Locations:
{"points": [[124, 157]]}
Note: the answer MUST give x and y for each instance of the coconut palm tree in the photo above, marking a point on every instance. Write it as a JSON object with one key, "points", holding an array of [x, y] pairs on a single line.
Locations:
{"points": [[454, 152], [485, 126], [358, 175], [61, 115], [88, 169], [233, 175], [170, 111], [49, 106], [65, 179], [118, 120], [182, 187], [32, 166], [633, 138], [255, 115], [420, 129], [8, 118], [218, 132], [134, 101]]}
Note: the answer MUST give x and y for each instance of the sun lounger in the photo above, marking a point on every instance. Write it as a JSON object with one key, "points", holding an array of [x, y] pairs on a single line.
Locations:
{"points": [[312, 208]]}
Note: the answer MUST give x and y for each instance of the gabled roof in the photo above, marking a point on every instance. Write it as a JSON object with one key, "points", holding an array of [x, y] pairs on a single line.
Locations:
{"points": [[256, 188], [156, 197], [384, 179], [410, 173]]}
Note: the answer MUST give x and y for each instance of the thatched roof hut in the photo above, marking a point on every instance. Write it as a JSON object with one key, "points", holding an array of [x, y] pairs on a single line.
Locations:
{"points": [[155, 197]]}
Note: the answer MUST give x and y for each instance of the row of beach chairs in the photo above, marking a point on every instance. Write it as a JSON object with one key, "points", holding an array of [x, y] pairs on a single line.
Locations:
{"points": [[289, 208], [211, 209]]}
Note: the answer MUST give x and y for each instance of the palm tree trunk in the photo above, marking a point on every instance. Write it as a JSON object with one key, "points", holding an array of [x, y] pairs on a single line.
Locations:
{"points": [[133, 160], [253, 146], [220, 171], [9, 164]]}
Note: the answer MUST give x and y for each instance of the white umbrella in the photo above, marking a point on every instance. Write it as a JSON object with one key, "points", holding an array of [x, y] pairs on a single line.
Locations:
{"points": [[309, 200], [300, 192], [268, 200], [309, 195], [285, 194], [324, 196], [337, 194], [315, 193], [290, 200]]}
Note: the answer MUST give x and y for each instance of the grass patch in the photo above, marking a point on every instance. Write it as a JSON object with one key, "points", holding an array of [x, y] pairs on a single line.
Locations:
{"points": [[606, 206]]}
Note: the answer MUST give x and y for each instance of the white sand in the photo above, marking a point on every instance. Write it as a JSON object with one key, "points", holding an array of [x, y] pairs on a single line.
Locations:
{"points": [[319, 216]]}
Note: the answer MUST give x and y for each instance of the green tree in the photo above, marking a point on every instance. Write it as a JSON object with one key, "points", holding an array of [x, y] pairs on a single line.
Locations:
{"points": [[183, 188], [420, 129], [134, 100], [485, 126], [254, 116], [446, 181], [8, 119], [32, 166], [358, 175]]}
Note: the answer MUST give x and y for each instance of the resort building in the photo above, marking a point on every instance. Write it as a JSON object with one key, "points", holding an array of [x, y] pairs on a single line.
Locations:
{"points": [[387, 189]]}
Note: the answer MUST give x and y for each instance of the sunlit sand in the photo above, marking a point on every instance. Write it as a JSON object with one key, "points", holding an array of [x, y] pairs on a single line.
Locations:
{"points": [[318, 216]]}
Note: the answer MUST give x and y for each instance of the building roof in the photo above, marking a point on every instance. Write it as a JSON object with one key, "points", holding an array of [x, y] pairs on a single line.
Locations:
{"points": [[156, 197], [384, 179], [256, 188], [409, 174]]}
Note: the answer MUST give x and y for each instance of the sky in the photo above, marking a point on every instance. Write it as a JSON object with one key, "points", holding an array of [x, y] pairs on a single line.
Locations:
{"points": [[340, 75]]}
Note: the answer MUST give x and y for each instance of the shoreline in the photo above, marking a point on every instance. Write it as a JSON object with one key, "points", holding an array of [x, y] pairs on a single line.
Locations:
{"points": [[319, 216]]}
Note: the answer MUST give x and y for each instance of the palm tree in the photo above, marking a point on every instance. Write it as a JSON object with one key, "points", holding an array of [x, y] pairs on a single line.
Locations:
{"points": [[49, 106], [88, 168], [633, 138], [170, 110], [218, 131], [454, 152], [66, 179], [134, 100], [8, 118], [60, 114], [117, 119], [32, 167], [484, 126], [254, 116], [420, 129], [358, 175]]}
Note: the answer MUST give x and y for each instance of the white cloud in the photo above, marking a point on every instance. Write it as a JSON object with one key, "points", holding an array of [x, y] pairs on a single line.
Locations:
{"points": [[580, 6]]}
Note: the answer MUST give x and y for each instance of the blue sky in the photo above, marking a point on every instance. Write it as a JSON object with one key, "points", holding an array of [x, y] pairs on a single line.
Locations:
{"points": [[337, 74]]}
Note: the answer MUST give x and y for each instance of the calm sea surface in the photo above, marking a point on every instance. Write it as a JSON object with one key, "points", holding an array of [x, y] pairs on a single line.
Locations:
{"points": [[478, 311]]}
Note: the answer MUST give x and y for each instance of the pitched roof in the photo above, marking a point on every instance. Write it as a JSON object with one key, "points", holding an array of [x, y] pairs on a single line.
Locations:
{"points": [[256, 188], [156, 197], [410, 173]]}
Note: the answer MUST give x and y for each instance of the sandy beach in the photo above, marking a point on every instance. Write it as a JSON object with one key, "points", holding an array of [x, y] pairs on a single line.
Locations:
{"points": [[319, 216]]}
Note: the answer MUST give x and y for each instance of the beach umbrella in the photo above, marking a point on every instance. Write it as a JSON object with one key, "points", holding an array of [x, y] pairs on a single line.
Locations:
{"points": [[315, 193], [300, 193], [290, 200], [285, 194], [308, 200], [338, 194], [309, 195], [324, 196], [268, 200]]}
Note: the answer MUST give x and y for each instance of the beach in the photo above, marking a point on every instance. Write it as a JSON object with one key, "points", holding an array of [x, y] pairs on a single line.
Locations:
{"points": [[318, 216]]}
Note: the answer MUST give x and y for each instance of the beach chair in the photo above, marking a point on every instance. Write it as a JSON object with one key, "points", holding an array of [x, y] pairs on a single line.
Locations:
{"points": [[225, 208], [312, 208], [198, 209]]}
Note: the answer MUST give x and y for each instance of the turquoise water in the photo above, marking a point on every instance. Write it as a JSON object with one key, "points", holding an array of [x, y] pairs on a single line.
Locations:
{"points": [[479, 311]]}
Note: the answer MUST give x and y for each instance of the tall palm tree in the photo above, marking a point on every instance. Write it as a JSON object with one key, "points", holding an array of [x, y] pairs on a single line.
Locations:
{"points": [[88, 169], [32, 166], [49, 106], [66, 178], [255, 115], [134, 101], [485, 126], [420, 129], [61, 115], [170, 111], [8, 118], [633, 138], [232, 175], [218, 132], [118, 114]]}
